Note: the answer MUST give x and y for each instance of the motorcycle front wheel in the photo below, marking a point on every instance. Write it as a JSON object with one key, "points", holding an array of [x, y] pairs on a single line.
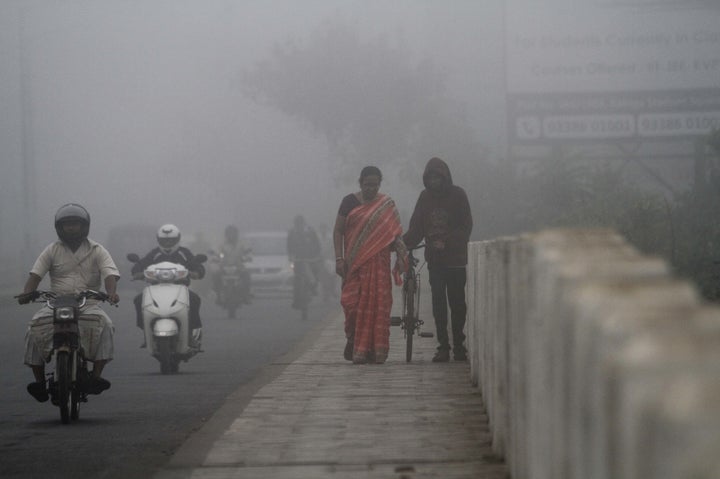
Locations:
{"points": [[168, 364], [63, 377], [75, 400]]}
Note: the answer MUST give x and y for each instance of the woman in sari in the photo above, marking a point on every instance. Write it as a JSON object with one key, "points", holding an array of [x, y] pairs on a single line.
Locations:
{"points": [[367, 229]]}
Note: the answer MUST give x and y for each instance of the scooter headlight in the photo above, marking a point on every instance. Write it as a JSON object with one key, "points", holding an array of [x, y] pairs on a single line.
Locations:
{"points": [[165, 274], [65, 314]]}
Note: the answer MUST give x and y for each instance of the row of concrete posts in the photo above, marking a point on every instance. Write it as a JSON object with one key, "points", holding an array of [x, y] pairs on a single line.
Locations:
{"points": [[594, 361]]}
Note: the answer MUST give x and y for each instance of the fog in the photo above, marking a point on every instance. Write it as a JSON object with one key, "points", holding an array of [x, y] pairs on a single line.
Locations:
{"points": [[206, 113], [136, 110]]}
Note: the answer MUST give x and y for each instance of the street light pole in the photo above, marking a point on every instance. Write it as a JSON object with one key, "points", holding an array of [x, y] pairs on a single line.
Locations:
{"points": [[26, 144]]}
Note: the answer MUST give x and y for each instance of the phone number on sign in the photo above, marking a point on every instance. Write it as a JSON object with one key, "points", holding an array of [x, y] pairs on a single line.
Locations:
{"points": [[588, 126], [671, 124]]}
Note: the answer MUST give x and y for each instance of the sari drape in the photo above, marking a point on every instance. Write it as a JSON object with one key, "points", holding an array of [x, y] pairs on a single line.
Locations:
{"points": [[370, 229]]}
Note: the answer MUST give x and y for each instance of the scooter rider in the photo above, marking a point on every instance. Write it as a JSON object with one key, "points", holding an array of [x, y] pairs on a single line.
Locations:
{"points": [[233, 252], [169, 249], [75, 263]]}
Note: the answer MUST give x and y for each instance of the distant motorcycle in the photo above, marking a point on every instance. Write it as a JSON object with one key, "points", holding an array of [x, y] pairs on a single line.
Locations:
{"points": [[165, 313], [304, 285], [232, 287], [68, 383]]}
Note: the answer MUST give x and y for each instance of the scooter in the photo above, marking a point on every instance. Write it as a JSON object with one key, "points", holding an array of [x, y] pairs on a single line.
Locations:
{"points": [[165, 311]]}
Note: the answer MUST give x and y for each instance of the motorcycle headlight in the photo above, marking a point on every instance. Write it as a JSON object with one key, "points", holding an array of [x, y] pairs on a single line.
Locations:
{"points": [[65, 314]]}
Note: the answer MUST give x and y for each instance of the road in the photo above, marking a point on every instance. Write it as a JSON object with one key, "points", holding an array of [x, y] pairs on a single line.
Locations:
{"points": [[134, 427]]}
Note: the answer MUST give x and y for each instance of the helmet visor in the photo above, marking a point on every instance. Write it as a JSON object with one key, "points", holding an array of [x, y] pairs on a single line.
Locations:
{"points": [[167, 243]]}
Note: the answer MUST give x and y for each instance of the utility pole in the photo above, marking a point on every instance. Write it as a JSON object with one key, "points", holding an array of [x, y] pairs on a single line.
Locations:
{"points": [[26, 144]]}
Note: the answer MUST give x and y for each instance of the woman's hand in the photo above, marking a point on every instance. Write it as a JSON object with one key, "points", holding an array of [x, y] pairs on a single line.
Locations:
{"points": [[340, 267], [402, 263]]}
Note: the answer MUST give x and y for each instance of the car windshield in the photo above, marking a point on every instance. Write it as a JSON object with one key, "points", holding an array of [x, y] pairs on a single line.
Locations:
{"points": [[267, 245]]}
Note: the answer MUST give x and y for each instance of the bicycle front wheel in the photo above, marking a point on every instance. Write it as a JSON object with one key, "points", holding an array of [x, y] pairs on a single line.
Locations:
{"points": [[408, 345], [409, 317]]}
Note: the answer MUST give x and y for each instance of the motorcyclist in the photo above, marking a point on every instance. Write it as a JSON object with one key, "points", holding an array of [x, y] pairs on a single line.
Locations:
{"points": [[303, 245], [233, 252], [74, 263], [169, 249]]}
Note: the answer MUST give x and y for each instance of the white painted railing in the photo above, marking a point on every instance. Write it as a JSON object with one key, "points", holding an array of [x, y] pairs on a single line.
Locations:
{"points": [[593, 360]]}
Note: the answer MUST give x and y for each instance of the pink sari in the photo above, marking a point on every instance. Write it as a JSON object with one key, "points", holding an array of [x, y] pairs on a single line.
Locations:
{"points": [[366, 298]]}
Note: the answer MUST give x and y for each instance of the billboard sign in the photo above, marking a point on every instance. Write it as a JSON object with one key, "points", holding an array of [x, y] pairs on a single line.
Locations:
{"points": [[602, 70]]}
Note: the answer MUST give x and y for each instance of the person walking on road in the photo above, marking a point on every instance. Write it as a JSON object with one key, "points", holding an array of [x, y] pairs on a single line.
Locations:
{"points": [[442, 218], [367, 229]]}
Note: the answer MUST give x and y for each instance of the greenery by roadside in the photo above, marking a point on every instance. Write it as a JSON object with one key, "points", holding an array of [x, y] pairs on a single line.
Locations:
{"points": [[684, 230]]}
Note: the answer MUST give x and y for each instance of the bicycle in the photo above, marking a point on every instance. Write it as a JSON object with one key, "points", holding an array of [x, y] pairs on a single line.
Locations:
{"points": [[409, 321]]}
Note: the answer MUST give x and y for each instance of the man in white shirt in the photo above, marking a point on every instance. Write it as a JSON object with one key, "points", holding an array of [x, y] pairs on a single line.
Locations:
{"points": [[75, 263]]}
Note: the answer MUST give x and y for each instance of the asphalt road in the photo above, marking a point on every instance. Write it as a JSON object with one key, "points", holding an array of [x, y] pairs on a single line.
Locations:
{"points": [[133, 428]]}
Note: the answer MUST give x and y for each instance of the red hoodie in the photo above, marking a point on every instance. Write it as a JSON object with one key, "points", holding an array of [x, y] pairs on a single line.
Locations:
{"points": [[442, 215]]}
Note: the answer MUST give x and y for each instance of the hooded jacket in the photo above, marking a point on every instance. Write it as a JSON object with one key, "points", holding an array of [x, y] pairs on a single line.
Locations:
{"points": [[441, 215]]}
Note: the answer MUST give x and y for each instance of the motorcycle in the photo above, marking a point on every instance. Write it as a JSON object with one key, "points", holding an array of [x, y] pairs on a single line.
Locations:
{"points": [[304, 285], [165, 313], [232, 287], [69, 382]]}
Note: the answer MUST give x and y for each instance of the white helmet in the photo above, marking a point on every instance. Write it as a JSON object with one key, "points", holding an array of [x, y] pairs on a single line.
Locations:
{"points": [[168, 238]]}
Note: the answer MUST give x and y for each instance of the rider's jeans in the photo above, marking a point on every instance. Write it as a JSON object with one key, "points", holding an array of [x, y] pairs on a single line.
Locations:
{"points": [[447, 285]]}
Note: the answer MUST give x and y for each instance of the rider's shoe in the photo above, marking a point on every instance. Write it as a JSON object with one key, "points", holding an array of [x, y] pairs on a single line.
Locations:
{"points": [[442, 356], [97, 385], [38, 391]]}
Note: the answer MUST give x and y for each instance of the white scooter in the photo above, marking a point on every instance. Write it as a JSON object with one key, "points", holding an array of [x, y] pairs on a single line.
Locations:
{"points": [[165, 310]]}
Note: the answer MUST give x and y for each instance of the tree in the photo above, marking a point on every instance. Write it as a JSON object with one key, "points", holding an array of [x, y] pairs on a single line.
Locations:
{"points": [[368, 98]]}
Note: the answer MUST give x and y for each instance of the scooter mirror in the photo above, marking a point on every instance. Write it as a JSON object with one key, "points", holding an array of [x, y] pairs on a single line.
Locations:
{"points": [[133, 258]]}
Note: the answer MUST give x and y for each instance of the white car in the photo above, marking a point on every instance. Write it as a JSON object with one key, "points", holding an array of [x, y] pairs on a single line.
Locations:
{"points": [[270, 270]]}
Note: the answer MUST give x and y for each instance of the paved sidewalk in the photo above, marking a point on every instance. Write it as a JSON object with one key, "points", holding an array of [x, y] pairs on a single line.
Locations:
{"points": [[323, 417]]}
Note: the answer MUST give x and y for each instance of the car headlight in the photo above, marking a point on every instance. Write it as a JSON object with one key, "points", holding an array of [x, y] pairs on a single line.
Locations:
{"points": [[65, 314]]}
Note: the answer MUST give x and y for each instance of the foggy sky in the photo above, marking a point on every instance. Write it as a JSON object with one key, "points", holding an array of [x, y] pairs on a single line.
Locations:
{"points": [[134, 108]]}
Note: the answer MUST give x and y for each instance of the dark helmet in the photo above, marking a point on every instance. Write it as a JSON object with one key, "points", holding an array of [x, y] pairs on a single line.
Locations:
{"points": [[72, 212], [231, 234]]}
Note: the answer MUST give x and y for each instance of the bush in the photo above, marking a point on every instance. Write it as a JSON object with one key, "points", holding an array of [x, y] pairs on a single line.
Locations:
{"points": [[685, 230]]}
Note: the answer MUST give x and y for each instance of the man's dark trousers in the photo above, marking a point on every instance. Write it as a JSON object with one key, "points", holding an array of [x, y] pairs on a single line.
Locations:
{"points": [[447, 285]]}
